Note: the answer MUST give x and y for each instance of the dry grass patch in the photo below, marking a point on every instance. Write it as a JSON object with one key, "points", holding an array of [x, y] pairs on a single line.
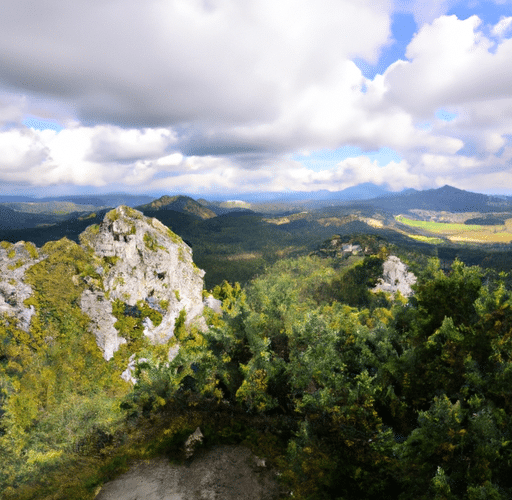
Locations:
{"points": [[483, 237]]}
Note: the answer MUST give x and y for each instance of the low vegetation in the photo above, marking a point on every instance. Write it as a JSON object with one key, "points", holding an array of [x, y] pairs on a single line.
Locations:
{"points": [[349, 393], [459, 233]]}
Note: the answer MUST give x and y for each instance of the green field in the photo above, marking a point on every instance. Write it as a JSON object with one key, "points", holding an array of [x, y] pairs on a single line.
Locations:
{"points": [[427, 239], [458, 233], [441, 227]]}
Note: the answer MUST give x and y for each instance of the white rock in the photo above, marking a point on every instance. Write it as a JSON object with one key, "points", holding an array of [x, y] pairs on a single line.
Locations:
{"points": [[147, 263], [214, 304], [14, 261], [396, 277], [99, 310]]}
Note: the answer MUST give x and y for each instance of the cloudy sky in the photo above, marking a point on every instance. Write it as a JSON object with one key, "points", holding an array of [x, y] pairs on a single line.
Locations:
{"points": [[239, 96]]}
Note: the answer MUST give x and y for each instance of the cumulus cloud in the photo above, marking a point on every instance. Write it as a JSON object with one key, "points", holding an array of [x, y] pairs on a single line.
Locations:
{"points": [[450, 63], [20, 151], [93, 156], [426, 12], [209, 174], [503, 27], [192, 94], [162, 63]]}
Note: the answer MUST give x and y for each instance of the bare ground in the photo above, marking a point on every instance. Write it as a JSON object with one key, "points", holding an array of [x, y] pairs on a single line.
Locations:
{"points": [[221, 473]]}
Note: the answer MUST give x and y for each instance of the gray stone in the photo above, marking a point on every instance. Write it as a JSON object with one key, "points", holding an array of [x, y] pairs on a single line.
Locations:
{"points": [[132, 364], [148, 262], [214, 304], [99, 310], [137, 259], [222, 473], [396, 278], [195, 439], [14, 261]]}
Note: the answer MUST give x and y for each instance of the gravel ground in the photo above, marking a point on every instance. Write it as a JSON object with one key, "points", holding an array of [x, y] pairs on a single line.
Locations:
{"points": [[221, 473]]}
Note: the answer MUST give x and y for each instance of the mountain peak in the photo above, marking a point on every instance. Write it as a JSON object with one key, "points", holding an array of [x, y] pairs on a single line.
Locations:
{"points": [[450, 189], [179, 203]]}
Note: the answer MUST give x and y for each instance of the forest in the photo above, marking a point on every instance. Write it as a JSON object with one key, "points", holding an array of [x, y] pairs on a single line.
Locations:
{"points": [[347, 392]]}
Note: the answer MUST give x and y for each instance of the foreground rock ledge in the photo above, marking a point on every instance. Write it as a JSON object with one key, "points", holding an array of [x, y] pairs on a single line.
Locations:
{"points": [[221, 473]]}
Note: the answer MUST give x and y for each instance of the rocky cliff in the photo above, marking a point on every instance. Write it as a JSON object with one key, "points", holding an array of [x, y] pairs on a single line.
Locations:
{"points": [[148, 263], [134, 264], [396, 277], [14, 261]]}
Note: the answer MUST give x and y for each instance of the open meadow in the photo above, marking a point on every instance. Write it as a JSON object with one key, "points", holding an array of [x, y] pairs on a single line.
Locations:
{"points": [[459, 233]]}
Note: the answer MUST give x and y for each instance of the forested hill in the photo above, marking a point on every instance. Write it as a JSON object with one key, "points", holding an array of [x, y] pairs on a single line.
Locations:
{"points": [[447, 198], [11, 219], [347, 392], [183, 204]]}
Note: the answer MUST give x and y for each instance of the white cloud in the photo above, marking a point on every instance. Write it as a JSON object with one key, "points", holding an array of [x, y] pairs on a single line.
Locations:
{"points": [[397, 176], [503, 27], [191, 93], [211, 174], [20, 150], [425, 11], [449, 64], [154, 63], [84, 155], [116, 144], [171, 160]]}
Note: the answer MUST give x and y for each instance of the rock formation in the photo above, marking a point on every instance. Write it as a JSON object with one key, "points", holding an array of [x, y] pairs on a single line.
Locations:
{"points": [[14, 261], [396, 277], [135, 262], [148, 263]]}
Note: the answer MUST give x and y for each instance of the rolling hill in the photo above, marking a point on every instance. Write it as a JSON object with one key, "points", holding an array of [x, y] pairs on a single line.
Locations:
{"points": [[446, 198], [183, 204]]}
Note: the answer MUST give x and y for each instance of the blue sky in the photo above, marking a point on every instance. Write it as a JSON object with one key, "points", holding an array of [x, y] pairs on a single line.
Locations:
{"points": [[37, 123], [226, 98], [403, 27]]}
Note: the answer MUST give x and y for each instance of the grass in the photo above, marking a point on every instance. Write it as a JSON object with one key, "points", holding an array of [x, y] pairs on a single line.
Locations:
{"points": [[457, 233], [427, 239], [440, 227]]}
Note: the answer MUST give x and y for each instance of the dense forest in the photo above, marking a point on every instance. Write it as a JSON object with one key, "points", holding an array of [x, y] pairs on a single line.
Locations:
{"points": [[347, 392]]}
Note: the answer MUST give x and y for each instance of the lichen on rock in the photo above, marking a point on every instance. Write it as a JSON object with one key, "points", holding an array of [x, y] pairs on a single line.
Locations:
{"points": [[129, 265]]}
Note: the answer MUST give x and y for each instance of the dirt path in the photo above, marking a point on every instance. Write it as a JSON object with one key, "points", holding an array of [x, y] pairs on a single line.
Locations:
{"points": [[221, 473]]}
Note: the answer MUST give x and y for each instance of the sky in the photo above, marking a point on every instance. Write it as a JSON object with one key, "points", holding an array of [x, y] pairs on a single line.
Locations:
{"points": [[226, 97]]}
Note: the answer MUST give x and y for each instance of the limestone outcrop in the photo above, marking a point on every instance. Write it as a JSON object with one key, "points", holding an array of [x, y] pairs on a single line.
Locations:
{"points": [[99, 309], [14, 261], [134, 263], [147, 263], [396, 277]]}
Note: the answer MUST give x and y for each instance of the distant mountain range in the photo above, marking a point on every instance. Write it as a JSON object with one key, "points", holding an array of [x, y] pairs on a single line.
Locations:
{"points": [[447, 199], [31, 212], [99, 200]]}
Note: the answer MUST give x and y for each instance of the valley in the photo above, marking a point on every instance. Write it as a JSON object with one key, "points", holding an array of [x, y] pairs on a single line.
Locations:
{"points": [[353, 347], [236, 240]]}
